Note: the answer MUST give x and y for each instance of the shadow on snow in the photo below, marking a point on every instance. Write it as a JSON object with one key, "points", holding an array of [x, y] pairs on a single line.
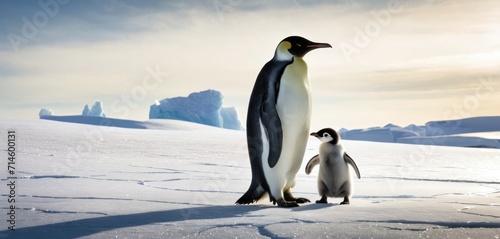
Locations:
{"points": [[90, 226]]}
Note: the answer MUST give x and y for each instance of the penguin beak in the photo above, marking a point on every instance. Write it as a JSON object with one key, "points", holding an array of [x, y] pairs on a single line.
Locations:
{"points": [[312, 46], [315, 45], [314, 134]]}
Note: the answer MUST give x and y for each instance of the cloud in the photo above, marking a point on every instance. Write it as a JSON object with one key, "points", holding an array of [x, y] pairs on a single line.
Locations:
{"points": [[103, 50]]}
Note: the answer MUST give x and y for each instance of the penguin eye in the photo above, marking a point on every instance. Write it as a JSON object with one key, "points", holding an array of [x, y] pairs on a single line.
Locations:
{"points": [[326, 135], [297, 44]]}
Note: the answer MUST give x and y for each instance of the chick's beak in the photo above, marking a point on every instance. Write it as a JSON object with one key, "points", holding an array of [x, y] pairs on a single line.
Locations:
{"points": [[314, 134]]}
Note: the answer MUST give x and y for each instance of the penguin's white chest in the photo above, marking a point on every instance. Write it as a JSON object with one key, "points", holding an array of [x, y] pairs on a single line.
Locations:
{"points": [[294, 98], [294, 108]]}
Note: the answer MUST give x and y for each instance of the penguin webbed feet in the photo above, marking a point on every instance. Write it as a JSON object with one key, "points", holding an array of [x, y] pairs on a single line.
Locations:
{"points": [[283, 203], [325, 200], [289, 200], [346, 201], [302, 200], [322, 200], [289, 197]]}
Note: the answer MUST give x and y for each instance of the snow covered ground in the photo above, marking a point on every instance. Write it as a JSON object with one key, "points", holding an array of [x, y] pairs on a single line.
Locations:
{"points": [[87, 181]]}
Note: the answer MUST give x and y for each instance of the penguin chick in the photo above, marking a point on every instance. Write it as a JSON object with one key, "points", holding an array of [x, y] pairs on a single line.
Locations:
{"points": [[334, 178]]}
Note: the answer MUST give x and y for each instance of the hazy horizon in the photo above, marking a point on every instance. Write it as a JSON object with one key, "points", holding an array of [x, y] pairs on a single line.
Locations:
{"points": [[399, 62]]}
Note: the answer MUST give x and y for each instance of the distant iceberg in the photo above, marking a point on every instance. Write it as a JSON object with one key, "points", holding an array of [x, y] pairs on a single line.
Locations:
{"points": [[204, 107], [45, 112], [96, 110], [460, 126], [443, 133], [389, 134], [452, 140]]}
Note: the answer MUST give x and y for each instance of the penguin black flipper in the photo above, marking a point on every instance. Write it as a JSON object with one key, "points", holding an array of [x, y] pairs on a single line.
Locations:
{"points": [[271, 120], [269, 79], [350, 161], [263, 102], [312, 162]]}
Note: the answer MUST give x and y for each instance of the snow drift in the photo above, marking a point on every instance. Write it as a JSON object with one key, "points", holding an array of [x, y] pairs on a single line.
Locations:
{"points": [[129, 124]]}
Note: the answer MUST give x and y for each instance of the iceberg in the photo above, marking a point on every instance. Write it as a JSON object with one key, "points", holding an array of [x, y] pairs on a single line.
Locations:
{"points": [[458, 133], [230, 118], [96, 110], [45, 112], [460, 126], [204, 107]]}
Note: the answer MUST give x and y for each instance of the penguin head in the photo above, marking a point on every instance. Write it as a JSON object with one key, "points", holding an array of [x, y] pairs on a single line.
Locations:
{"points": [[296, 46], [327, 135]]}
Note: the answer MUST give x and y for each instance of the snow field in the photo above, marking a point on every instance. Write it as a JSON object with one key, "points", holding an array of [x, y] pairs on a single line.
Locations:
{"points": [[85, 181]]}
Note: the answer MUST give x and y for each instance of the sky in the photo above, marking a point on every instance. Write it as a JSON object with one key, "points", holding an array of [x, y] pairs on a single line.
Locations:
{"points": [[401, 62]]}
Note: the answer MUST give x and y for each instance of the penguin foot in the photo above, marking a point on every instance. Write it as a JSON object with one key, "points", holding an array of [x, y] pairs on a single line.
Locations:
{"points": [[289, 197], [301, 200], [346, 201], [322, 200], [282, 203]]}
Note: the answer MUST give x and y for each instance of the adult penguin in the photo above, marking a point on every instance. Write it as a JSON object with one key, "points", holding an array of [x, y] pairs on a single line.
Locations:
{"points": [[278, 120]]}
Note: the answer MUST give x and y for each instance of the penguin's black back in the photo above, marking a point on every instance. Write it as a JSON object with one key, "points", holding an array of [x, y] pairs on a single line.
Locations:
{"points": [[262, 107]]}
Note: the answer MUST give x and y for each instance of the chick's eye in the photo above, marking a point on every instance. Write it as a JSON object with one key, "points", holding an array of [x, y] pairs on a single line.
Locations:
{"points": [[326, 135]]}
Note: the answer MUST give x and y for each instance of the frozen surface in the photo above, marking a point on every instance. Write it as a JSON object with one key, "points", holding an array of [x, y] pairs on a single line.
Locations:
{"points": [[130, 124], [204, 107], [86, 181]]}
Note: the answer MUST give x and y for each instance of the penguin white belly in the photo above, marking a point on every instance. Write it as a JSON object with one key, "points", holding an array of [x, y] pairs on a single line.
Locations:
{"points": [[294, 108], [334, 173]]}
